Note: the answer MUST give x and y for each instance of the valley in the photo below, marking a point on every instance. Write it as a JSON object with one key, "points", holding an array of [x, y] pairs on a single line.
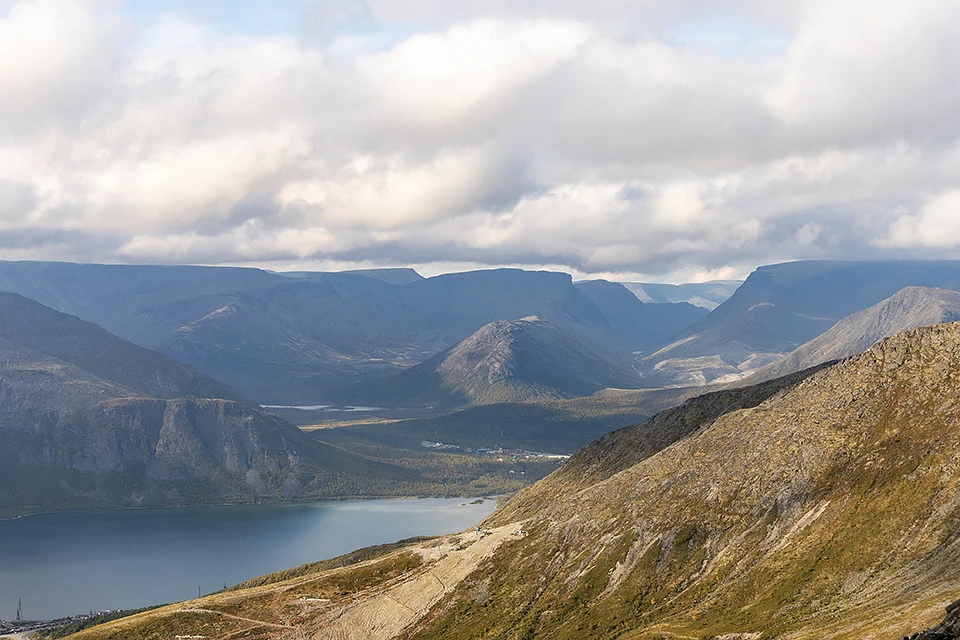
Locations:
{"points": [[824, 505], [663, 459]]}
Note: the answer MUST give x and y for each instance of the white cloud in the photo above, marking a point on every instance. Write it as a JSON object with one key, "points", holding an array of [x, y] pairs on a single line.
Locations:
{"points": [[574, 133], [935, 225]]}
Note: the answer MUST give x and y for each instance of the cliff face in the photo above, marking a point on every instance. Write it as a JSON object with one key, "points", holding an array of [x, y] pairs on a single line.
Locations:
{"points": [[88, 420]]}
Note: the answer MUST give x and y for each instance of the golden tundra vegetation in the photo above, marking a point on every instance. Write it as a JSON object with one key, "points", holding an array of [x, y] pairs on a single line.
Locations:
{"points": [[829, 508]]}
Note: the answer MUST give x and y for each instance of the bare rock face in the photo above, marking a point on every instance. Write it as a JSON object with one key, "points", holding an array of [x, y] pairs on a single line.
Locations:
{"points": [[949, 629], [89, 420]]}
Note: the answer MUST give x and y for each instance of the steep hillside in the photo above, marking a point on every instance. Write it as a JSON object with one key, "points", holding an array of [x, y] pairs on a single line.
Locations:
{"points": [[707, 295], [88, 420], [502, 362], [96, 351], [829, 510], [780, 307], [910, 308]]}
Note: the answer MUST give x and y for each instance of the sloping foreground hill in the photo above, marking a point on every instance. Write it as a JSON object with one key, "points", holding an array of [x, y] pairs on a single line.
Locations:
{"points": [[907, 309], [506, 361], [829, 510], [88, 420]]}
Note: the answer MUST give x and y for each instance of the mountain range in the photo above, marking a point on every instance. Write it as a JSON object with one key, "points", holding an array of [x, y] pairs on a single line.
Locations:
{"points": [[89, 420], [299, 338], [780, 307]]}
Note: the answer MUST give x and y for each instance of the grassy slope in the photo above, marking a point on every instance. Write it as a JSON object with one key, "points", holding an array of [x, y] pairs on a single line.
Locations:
{"points": [[830, 511]]}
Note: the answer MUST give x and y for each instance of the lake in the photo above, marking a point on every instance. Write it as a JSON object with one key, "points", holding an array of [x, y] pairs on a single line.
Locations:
{"points": [[69, 563]]}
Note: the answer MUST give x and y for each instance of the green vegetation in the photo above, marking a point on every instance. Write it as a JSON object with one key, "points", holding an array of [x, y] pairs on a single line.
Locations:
{"points": [[550, 426], [80, 625], [347, 559], [829, 511]]}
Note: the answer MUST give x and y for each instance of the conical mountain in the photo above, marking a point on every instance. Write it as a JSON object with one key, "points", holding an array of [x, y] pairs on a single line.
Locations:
{"points": [[909, 308], [505, 361]]}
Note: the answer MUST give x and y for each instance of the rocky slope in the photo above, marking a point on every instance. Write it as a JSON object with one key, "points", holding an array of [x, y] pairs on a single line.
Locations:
{"points": [[89, 420], [502, 362], [949, 629], [829, 510], [909, 308], [780, 307]]}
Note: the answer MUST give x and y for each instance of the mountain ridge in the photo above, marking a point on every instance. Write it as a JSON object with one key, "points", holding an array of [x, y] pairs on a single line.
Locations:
{"points": [[828, 510], [909, 308], [778, 308], [300, 340]]}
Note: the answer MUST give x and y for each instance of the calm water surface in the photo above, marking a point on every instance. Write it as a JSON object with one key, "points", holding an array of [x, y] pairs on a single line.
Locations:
{"points": [[63, 564]]}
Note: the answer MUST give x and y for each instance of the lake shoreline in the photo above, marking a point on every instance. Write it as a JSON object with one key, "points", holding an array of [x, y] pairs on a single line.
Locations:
{"points": [[196, 547], [21, 516]]}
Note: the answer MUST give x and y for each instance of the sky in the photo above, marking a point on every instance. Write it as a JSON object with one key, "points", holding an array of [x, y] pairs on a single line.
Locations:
{"points": [[674, 140]]}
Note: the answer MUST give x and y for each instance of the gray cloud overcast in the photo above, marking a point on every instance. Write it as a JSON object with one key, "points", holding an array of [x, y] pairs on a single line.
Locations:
{"points": [[603, 136]]}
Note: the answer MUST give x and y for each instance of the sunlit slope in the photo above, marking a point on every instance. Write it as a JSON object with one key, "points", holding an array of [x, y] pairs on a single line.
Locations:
{"points": [[831, 510], [780, 307]]}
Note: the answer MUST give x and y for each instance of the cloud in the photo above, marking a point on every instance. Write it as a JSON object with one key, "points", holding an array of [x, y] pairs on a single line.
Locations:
{"points": [[936, 225], [604, 137]]}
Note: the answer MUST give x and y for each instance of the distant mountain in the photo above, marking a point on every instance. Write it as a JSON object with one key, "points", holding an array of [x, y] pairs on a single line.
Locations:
{"points": [[304, 338], [707, 295], [639, 327], [392, 276], [825, 506], [88, 420], [32, 326], [502, 362], [780, 307], [910, 308]]}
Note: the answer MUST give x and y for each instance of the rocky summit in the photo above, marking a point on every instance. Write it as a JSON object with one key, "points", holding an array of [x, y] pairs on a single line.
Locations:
{"points": [[909, 308], [505, 361]]}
